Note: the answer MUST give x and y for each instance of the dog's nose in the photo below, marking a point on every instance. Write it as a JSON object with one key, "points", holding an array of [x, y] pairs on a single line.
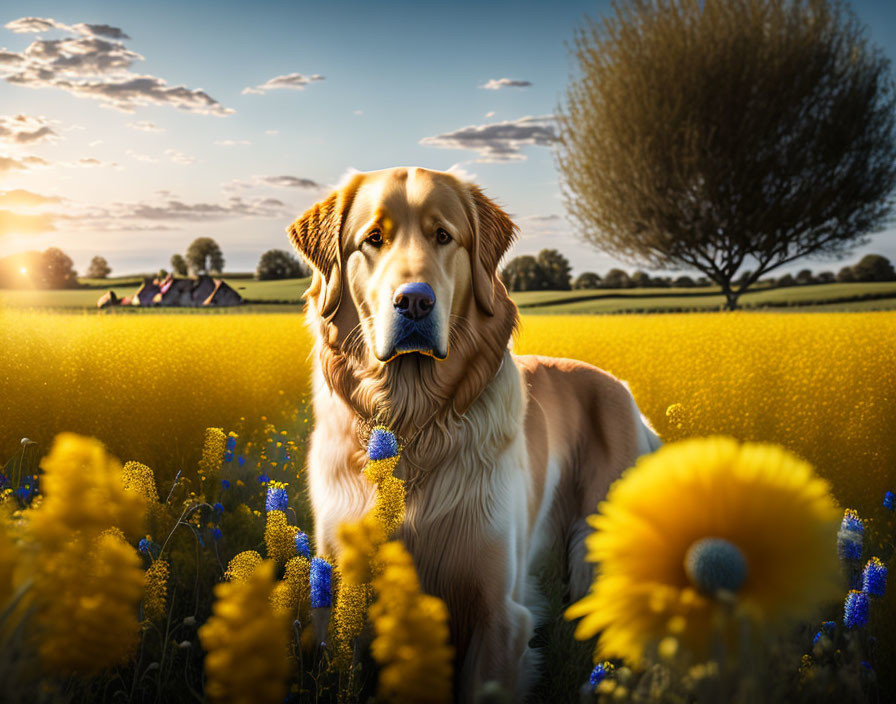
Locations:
{"points": [[414, 301]]}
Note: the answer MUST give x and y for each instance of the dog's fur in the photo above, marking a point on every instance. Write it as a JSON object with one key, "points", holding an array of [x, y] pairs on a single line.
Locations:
{"points": [[505, 454]]}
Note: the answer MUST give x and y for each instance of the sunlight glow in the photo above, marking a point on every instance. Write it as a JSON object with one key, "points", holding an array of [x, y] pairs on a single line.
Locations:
{"points": [[23, 270]]}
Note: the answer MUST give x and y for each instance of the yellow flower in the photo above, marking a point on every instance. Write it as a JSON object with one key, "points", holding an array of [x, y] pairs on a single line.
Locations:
{"points": [[86, 606], [242, 566], [702, 519], [291, 596], [139, 478], [83, 491], [156, 590], [212, 451], [246, 641], [279, 537], [359, 542], [349, 616], [389, 506], [411, 642]]}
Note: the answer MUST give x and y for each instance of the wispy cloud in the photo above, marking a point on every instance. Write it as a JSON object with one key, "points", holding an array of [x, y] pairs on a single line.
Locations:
{"points": [[291, 182], [26, 129], [499, 83], [20, 198], [94, 64], [498, 141], [145, 126], [12, 223], [233, 142], [25, 163], [290, 81], [172, 155]]}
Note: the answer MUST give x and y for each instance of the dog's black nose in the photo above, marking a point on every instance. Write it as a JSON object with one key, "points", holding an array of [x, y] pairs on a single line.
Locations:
{"points": [[414, 301]]}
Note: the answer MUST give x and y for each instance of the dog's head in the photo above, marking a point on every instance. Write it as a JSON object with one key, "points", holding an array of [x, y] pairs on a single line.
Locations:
{"points": [[402, 260]]}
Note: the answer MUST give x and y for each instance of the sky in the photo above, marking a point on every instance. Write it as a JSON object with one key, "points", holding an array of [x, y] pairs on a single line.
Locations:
{"points": [[128, 129]]}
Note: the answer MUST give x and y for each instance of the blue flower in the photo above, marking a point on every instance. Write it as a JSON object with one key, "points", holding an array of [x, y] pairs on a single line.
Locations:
{"points": [[829, 627], [263, 478], [225, 484], [231, 442], [855, 609], [216, 533], [382, 444], [817, 638], [219, 509], [143, 546], [849, 537], [874, 577], [321, 571], [277, 498], [228, 456], [302, 546], [600, 673], [889, 499], [241, 460]]}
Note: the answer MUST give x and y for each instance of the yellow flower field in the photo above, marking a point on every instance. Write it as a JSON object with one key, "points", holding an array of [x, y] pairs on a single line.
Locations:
{"points": [[821, 384]]}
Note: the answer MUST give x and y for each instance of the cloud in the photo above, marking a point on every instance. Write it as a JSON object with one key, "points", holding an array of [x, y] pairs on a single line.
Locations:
{"points": [[499, 83], [490, 114], [291, 182], [25, 163], [357, 112], [25, 129], [141, 157], [145, 126], [20, 224], [272, 132], [95, 64], [20, 198], [235, 206], [290, 81], [179, 157], [233, 142], [498, 141]]}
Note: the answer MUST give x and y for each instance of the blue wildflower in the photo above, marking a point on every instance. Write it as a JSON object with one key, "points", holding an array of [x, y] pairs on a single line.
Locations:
{"points": [[241, 460], [889, 499], [818, 637], [277, 498], [600, 673], [855, 609], [302, 546], [225, 484], [849, 537], [216, 533], [874, 577], [143, 546], [263, 478], [228, 456], [829, 627], [321, 571], [382, 444], [231, 443], [219, 509]]}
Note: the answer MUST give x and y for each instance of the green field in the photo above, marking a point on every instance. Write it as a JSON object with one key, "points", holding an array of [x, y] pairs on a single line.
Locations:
{"points": [[285, 295]]}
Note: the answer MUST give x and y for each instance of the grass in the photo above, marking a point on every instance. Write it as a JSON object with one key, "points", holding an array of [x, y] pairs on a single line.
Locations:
{"points": [[282, 296]]}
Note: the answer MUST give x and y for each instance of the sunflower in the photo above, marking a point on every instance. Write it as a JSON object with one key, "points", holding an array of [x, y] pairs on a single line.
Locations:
{"points": [[699, 529]]}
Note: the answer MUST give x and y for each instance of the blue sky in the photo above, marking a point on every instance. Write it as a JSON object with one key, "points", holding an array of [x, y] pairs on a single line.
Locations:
{"points": [[135, 168]]}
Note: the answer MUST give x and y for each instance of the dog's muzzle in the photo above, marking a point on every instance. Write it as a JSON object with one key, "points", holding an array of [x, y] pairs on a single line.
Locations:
{"points": [[415, 324]]}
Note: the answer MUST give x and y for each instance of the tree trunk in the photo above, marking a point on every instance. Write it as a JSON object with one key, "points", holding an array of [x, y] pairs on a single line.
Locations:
{"points": [[730, 296]]}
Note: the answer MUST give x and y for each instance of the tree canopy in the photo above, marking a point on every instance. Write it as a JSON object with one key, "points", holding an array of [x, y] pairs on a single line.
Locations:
{"points": [[99, 268], [726, 135], [280, 264], [204, 255]]}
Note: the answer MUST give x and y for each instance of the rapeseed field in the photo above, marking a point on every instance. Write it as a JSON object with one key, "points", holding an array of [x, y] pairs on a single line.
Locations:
{"points": [[163, 552]]}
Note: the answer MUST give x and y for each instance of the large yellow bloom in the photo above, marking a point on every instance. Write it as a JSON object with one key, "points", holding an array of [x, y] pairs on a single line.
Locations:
{"points": [[697, 520], [246, 640]]}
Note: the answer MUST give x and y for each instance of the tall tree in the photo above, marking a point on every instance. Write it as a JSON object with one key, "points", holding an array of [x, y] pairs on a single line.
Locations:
{"points": [[587, 279], [616, 278], [99, 268], [721, 135], [874, 267], [178, 265], [204, 255], [556, 269]]}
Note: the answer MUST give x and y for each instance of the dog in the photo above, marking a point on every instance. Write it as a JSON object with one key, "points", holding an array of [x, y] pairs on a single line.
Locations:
{"points": [[504, 456]]}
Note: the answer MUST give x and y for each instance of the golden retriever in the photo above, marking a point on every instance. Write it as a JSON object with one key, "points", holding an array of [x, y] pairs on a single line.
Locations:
{"points": [[505, 455]]}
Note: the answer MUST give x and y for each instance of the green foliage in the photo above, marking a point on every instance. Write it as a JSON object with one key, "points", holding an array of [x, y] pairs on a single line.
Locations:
{"points": [[586, 280], [178, 265], [99, 268], [203, 255], [280, 264], [718, 135]]}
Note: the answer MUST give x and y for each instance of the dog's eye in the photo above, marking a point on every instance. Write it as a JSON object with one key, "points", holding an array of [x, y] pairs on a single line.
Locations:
{"points": [[442, 236], [375, 239]]}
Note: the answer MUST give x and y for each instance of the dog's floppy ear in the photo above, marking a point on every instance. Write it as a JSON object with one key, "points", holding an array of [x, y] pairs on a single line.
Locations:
{"points": [[317, 235], [493, 233]]}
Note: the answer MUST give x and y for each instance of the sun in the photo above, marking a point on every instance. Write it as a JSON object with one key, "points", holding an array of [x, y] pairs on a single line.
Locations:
{"points": [[23, 270]]}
